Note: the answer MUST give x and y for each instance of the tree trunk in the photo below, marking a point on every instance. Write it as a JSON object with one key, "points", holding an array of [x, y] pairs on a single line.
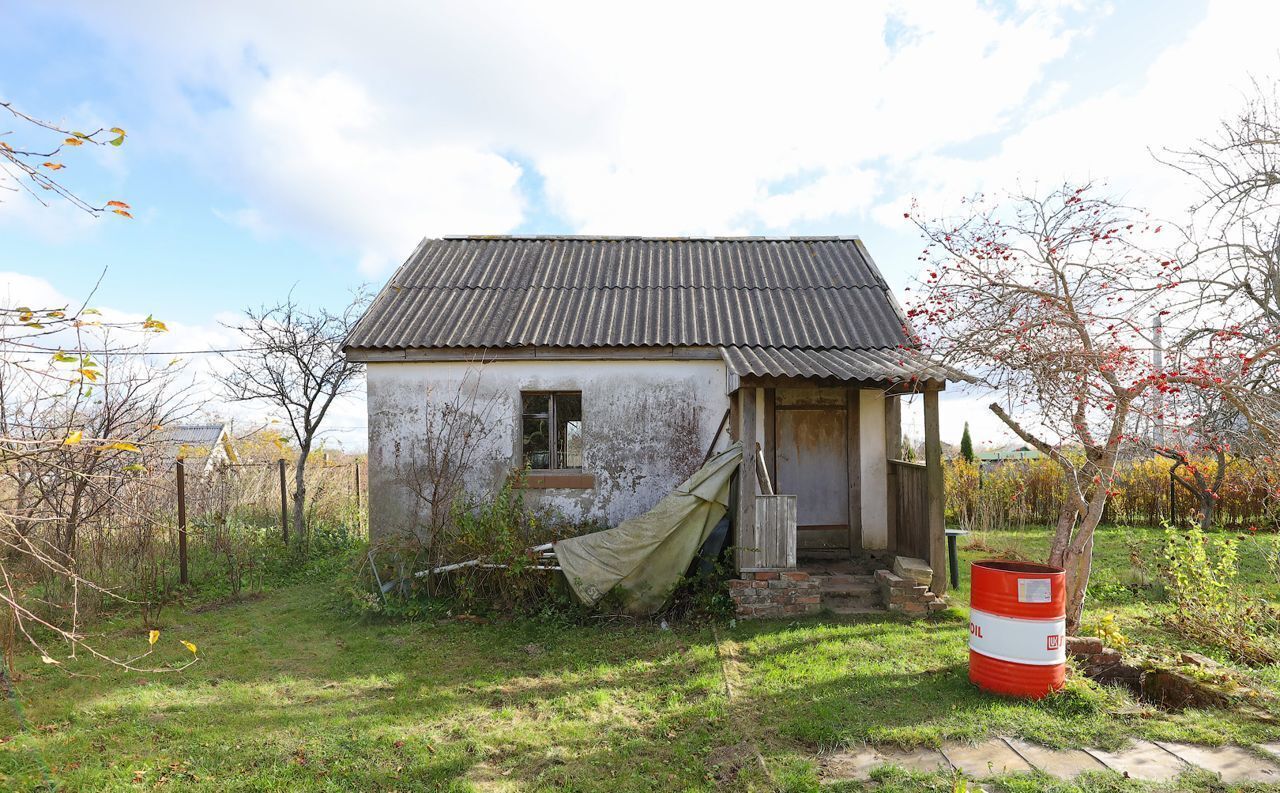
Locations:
{"points": [[299, 497]]}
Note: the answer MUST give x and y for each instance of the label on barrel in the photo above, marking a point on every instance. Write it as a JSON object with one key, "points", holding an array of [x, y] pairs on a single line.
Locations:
{"points": [[1034, 590], [1021, 641]]}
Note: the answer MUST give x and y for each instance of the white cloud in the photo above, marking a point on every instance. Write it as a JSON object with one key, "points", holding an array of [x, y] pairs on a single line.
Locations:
{"points": [[372, 130]]}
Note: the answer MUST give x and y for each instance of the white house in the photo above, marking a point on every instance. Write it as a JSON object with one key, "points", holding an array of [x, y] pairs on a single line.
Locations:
{"points": [[610, 367]]}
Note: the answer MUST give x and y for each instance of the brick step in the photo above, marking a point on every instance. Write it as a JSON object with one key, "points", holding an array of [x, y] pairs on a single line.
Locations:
{"points": [[837, 601]]}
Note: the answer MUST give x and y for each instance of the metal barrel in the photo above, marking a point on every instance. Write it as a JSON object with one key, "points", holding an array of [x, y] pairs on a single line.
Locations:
{"points": [[1017, 627]]}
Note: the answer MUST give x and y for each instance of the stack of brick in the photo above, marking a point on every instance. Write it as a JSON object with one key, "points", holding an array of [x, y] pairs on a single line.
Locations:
{"points": [[775, 594], [906, 596]]}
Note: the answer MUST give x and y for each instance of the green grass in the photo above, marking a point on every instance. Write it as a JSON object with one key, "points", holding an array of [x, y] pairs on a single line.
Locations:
{"points": [[291, 694]]}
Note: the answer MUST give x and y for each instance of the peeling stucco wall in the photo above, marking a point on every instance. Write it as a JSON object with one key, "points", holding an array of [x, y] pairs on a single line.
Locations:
{"points": [[646, 427]]}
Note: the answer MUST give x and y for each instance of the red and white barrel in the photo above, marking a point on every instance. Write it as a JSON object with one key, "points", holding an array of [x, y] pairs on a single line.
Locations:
{"points": [[1017, 627]]}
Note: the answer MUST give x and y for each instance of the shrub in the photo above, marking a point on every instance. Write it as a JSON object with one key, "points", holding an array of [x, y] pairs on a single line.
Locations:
{"points": [[1209, 607]]}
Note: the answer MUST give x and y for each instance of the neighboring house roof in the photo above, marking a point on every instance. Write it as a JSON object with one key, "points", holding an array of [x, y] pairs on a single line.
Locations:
{"points": [[191, 441], [774, 301], [1000, 455]]}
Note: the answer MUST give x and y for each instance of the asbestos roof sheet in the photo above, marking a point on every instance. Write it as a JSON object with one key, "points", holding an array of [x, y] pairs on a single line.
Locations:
{"points": [[615, 291], [891, 365]]}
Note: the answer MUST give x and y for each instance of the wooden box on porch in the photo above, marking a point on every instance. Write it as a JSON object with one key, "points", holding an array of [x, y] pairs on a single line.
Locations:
{"points": [[770, 544]]}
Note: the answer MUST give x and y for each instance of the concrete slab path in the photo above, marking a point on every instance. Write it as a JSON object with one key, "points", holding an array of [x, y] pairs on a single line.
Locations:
{"points": [[1153, 762]]}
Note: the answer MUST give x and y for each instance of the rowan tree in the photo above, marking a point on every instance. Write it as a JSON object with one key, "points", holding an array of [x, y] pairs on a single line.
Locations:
{"points": [[1042, 299]]}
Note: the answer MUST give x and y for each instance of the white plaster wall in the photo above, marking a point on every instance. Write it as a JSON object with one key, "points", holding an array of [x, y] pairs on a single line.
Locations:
{"points": [[874, 469], [646, 427]]}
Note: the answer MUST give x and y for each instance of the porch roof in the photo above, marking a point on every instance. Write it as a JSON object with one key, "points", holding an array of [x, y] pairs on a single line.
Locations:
{"points": [[890, 366]]}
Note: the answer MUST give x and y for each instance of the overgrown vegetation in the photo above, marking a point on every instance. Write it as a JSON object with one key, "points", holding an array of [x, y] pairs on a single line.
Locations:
{"points": [[292, 693], [1202, 576]]}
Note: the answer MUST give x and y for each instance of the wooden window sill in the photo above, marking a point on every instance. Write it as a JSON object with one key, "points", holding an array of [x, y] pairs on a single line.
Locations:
{"points": [[552, 480]]}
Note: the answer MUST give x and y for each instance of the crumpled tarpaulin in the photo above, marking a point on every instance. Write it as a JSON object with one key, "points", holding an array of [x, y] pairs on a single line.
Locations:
{"points": [[644, 557]]}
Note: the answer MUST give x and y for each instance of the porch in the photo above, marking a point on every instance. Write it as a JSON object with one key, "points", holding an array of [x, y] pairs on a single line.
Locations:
{"points": [[821, 492]]}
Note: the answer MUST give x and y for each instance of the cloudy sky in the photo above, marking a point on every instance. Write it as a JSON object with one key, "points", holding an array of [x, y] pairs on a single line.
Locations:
{"points": [[277, 146]]}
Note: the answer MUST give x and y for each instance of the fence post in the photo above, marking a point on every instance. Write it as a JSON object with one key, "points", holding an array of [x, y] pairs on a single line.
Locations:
{"points": [[357, 491], [284, 506], [182, 522]]}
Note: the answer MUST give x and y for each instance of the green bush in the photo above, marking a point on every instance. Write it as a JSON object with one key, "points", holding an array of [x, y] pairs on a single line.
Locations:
{"points": [[1210, 607]]}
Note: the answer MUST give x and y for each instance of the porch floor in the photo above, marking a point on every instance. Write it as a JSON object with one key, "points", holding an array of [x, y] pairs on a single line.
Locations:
{"points": [[860, 563]]}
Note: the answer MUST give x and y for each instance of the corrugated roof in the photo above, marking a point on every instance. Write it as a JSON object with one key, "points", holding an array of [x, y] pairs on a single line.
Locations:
{"points": [[894, 365], [631, 291]]}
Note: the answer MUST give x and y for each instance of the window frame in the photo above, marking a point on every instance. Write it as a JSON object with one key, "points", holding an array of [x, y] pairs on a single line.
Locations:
{"points": [[553, 431]]}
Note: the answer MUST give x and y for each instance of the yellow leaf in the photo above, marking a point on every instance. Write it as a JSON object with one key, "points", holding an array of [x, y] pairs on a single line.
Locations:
{"points": [[73, 142], [153, 637], [73, 438], [54, 166], [118, 131], [153, 324], [49, 660], [89, 373], [124, 447], [189, 646], [122, 213]]}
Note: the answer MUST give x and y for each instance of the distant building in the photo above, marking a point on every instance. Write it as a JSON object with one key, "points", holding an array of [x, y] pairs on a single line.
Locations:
{"points": [[997, 457], [202, 447]]}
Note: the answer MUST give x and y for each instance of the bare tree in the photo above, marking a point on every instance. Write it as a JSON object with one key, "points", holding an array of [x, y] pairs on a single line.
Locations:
{"points": [[1231, 265], [457, 448], [292, 360], [1041, 298]]}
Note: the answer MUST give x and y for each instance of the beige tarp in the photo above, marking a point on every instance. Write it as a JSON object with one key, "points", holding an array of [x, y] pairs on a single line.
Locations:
{"points": [[644, 557]]}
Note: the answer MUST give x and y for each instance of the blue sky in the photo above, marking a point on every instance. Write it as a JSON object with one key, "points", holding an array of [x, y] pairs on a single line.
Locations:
{"points": [[272, 149]]}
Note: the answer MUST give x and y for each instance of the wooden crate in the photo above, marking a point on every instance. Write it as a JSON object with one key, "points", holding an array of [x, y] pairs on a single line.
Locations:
{"points": [[770, 544]]}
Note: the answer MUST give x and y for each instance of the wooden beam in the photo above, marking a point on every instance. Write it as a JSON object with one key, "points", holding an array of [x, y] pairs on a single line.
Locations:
{"points": [[893, 449], [853, 464], [770, 440], [934, 504], [747, 487]]}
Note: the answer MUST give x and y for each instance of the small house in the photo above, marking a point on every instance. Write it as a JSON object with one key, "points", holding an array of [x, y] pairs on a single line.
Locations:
{"points": [[610, 368]]}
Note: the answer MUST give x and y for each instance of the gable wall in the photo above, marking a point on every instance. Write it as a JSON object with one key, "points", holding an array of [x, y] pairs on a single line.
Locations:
{"points": [[646, 427]]}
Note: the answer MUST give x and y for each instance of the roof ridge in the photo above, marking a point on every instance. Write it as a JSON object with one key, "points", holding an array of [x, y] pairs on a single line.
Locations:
{"points": [[640, 238]]}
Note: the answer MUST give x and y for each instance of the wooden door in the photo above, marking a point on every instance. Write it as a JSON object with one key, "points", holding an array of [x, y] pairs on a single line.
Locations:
{"points": [[812, 460]]}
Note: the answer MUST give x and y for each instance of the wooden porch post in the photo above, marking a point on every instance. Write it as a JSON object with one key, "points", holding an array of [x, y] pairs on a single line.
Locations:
{"points": [[747, 487], [893, 449], [934, 498]]}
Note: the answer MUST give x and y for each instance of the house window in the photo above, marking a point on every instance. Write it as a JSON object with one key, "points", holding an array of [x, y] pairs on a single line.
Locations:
{"points": [[551, 430]]}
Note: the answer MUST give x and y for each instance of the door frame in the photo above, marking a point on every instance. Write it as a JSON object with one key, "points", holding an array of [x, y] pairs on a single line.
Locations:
{"points": [[853, 454]]}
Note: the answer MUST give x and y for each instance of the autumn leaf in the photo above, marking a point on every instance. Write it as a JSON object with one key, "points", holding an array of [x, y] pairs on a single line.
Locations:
{"points": [[124, 447], [73, 142], [153, 637], [46, 659], [54, 166], [122, 213], [116, 141], [88, 373], [151, 323], [118, 131], [73, 438], [189, 646], [135, 468], [120, 204], [91, 311]]}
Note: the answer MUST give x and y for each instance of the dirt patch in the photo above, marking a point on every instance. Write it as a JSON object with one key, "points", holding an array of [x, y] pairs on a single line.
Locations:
{"points": [[726, 763]]}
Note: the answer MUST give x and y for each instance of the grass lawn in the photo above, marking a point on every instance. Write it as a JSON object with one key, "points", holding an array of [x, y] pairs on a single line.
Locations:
{"points": [[291, 694]]}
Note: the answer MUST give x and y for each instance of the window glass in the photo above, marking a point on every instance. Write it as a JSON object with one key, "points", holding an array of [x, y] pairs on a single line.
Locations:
{"points": [[569, 430], [551, 430], [535, 428]]}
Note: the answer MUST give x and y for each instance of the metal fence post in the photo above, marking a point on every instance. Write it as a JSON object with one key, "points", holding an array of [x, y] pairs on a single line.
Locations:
{"points": [[284, 506], [182, 522]]}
